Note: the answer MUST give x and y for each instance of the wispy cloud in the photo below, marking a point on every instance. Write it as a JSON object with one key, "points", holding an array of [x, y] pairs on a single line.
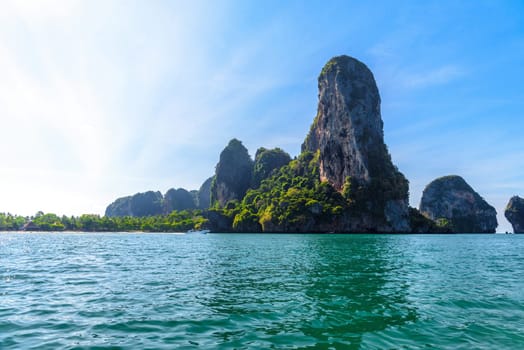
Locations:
{"points": [[437, 76], [98, 105], [101, 99], [40, 11], [73, 103]]}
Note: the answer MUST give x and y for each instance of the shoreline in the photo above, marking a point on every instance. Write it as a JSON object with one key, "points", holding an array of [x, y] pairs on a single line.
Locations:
{"points": [[264, 233]]}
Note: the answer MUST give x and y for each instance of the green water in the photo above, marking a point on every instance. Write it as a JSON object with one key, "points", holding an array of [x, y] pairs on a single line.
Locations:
{"points": [[161, 291]]}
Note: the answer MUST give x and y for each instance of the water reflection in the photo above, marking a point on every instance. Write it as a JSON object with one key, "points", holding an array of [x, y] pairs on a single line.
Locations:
{"points": [[357, 289], [306, 291], [261, 291]]}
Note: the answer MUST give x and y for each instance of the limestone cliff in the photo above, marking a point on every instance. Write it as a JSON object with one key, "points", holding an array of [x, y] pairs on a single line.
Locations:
{"points": [[233, 174], [451, 200], [204, 194], [152, 203], [141, 204], [179, 199], [515, 213], [348, 134]]}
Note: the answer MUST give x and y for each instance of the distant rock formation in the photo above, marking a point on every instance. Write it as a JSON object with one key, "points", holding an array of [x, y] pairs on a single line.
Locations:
{"points": [[152, 203], [141, 204], [515, 213], [204, 194], [232, 175], [451, 202], [348, 134], [266, 162], [179, 199]]}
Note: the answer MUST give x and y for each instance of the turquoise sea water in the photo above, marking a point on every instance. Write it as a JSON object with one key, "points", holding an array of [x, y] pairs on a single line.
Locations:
{"points": [[218, 291]]}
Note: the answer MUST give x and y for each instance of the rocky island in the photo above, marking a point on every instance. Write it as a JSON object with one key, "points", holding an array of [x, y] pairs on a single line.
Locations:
{"points": [[452, 203], [343, 181], [347, 134], [515, 213]]}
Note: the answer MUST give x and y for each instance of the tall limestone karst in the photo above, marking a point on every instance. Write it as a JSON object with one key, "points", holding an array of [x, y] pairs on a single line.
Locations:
{"points": [[233, 174], [348, 135], [515, 213], [451, 200]]}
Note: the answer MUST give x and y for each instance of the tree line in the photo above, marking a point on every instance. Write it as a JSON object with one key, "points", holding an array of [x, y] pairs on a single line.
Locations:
{"points": [[176, 221]]}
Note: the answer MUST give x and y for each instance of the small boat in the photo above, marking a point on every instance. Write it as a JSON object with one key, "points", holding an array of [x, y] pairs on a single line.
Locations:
{"points": [[202, 232]]}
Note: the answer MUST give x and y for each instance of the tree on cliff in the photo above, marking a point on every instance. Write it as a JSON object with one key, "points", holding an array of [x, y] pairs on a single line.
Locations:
{"points": [[266, 162]]}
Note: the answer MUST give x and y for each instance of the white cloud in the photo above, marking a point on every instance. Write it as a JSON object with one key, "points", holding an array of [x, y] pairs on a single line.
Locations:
{"points": [[40, 10], [101, 99], [94, 106], [65, 108]]}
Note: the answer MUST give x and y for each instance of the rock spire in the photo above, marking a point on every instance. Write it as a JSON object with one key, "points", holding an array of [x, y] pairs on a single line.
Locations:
{"points": [[348, 134]]}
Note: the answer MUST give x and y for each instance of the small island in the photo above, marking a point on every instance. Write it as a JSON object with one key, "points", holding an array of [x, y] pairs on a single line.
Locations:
{"points": [[515, 213], [343, 181]]}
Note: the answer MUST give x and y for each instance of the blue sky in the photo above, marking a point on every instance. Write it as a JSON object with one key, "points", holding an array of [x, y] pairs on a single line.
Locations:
{"points": [[101, 99]]}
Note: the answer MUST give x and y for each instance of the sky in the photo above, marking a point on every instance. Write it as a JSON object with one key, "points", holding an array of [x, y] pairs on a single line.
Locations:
{"points": [[102, 99]]}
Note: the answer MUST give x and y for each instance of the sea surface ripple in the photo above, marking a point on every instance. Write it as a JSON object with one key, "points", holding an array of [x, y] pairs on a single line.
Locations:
{"points": [[247, 291]]}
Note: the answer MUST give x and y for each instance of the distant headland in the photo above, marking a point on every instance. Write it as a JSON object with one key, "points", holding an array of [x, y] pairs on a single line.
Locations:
{"points": [[342, 181]]}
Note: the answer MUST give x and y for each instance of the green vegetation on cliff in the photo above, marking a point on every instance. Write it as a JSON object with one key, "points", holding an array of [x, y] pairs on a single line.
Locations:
{"points": [[266, 162], [292, 200]]}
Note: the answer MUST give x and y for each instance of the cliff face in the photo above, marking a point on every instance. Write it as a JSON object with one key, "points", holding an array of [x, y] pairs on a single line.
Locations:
{"points": [[179, 199], [348, 122], [141, 204], [232, 175], [152, 203], [204, 194], [348, 134], [515, 213], [451, 198]]}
